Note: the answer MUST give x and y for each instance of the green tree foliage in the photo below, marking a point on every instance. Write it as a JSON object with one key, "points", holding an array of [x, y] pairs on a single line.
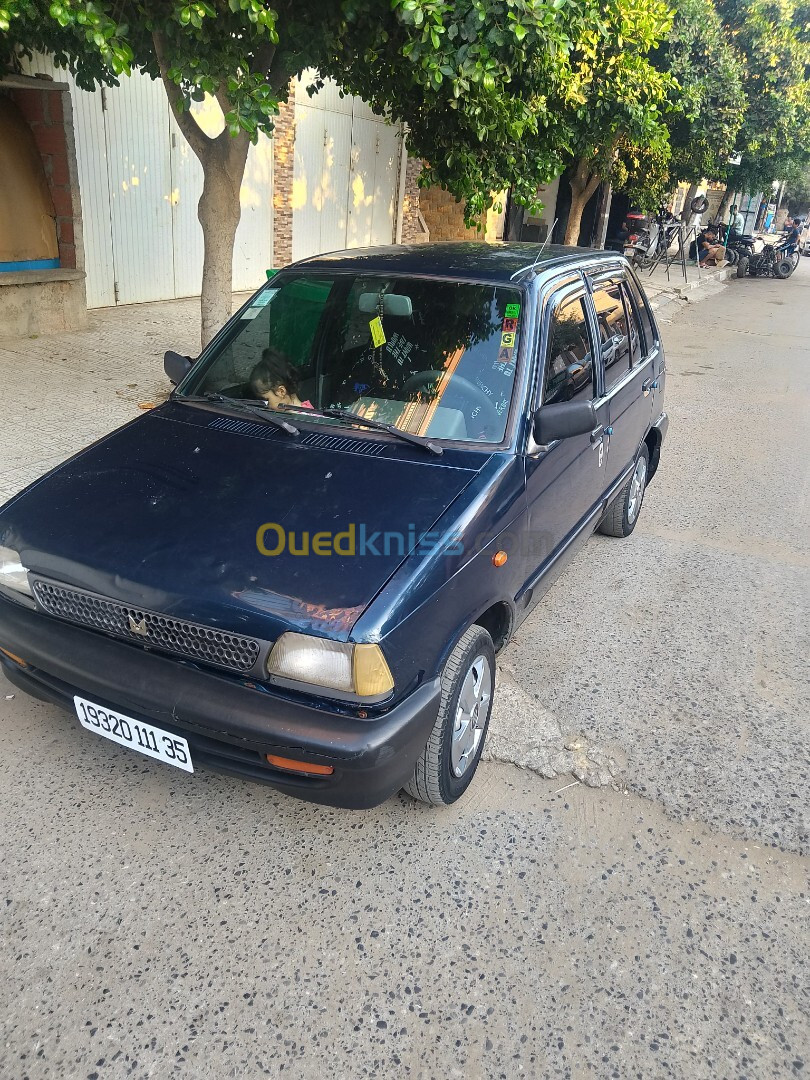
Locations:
{"points": [[707, 106], [478, 81], [613, 103], [773, 36]]}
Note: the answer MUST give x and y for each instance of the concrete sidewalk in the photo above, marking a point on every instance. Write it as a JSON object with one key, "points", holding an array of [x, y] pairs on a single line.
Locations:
{"points": [[64, 391], [669, 295]]}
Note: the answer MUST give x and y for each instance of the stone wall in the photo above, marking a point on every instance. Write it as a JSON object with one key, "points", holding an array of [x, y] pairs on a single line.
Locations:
{"points": [[413, 231], [283, 168]]}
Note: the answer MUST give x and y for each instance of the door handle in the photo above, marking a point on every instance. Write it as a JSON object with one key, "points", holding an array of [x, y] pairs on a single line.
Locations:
{"points": [[596, 434], [646, 386]]}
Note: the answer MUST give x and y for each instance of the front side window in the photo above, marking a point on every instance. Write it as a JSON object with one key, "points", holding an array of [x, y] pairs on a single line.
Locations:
{"points": [[434, 358], [569, 362]]}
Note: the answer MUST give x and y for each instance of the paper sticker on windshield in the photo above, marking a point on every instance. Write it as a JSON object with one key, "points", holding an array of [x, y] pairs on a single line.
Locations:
{"points": [[509, 326], [264, 298], [377, 332], [512, 311], [508, 340], [251, 312]]}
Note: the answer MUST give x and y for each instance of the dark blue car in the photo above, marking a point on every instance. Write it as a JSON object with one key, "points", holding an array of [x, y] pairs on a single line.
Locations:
{"points": [[300, 568]]}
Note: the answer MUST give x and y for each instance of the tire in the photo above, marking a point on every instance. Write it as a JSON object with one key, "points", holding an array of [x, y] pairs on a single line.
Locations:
{"points": [[742, 266], [623, 513], [435, 780], [783, 269]]}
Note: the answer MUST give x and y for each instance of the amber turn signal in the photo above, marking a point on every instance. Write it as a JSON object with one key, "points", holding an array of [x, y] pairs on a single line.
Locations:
{"points": [[13, 656], [306, 768], [499, 558]]}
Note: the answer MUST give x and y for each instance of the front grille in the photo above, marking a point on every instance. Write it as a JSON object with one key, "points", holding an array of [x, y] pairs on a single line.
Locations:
{"points": [[232, 651]]}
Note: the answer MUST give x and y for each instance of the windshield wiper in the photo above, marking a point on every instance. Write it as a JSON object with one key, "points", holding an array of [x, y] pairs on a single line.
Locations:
{"points": [[378, 425], [247, 405]]}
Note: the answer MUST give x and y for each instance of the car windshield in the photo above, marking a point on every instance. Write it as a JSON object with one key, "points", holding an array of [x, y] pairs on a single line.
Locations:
{"points": [[431, 357]]}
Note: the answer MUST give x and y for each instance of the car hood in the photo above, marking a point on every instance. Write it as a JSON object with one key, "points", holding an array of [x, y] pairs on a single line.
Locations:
{"points": [[163, 514]]}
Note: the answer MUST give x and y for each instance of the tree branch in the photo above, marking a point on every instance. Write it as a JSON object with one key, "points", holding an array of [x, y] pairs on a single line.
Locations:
{"points": [[195, 136]]}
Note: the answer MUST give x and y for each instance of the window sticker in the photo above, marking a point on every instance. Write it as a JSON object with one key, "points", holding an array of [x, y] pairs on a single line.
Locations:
{"points": [[251, 312], [377, 332], [508, 340], [264, 298], [512, 311], [509, 326]]}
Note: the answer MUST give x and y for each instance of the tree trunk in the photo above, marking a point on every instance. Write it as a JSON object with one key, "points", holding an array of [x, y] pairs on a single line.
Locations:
{"points": [[223, 163], [686, 211], [725, 202], [583, 185], [219, 211]]}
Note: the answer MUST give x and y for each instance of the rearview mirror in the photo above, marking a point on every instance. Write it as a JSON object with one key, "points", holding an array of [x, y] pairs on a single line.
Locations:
{"points": [[176, 366], [393, 304], [563, 421]]}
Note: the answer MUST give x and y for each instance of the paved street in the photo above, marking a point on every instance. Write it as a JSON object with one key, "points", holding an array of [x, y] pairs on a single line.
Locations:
{"points": [[157, 924]]}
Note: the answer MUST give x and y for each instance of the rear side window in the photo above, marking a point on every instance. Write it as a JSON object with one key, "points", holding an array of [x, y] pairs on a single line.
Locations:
{"points": [[614, 332], [647, 324], [569, 364]]}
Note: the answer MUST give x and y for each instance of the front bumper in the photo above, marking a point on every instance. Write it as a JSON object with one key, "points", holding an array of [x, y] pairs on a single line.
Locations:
{"points": [[230, 723]]}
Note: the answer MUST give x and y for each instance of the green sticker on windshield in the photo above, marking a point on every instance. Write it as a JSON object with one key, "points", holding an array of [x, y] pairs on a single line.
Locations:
{"points": [[512, 311]]}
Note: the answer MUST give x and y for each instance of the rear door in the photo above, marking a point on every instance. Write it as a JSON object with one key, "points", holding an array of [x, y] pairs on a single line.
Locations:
{"points": [[626, 370]]}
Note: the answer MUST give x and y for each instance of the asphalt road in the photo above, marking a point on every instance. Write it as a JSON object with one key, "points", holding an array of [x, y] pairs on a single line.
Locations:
{"points": [[156, 924]]}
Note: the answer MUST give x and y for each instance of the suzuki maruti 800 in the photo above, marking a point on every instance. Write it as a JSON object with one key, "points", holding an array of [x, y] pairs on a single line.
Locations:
{"points": [[300, 568]]}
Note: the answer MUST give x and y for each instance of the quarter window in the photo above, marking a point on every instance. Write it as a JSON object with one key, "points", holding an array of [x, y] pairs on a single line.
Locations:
{"points": [[613, 332], [647, 324], [569, 367], [636, 340]]}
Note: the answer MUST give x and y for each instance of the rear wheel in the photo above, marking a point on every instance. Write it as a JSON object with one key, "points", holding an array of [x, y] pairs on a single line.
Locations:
{"points": [[783, 269], [447, 765], [742, 266], [623, 512]]}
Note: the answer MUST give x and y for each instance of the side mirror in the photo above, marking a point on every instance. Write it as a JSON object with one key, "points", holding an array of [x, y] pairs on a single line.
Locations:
{"points": [[176, 366], [563, 421]]}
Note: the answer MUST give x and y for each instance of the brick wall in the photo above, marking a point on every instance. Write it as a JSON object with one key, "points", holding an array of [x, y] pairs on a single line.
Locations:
{"points": [[283, 167], [48, 113], [444, 216]]}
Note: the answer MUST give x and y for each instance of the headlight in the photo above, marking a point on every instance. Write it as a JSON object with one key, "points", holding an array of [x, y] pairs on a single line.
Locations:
{"points": [[12, 572], [353, 669]]}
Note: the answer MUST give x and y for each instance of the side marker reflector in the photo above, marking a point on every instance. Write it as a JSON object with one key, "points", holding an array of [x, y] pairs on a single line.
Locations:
{"points": [[305, 767], [499, 558], [14, 657]]}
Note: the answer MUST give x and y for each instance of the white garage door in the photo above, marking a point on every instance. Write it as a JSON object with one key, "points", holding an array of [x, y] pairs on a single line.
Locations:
{"points": [[346, 176], [140, 184]]}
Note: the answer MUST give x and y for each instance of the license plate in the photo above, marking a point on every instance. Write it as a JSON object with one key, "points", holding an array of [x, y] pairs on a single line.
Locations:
{"points": [[135, 734]]}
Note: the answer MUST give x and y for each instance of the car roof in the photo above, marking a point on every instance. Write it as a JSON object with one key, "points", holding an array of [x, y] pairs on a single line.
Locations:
{"points": [[476, 260]]}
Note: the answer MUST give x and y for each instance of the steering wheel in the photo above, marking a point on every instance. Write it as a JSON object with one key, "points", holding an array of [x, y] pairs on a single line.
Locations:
{"points": [[474, 395]]}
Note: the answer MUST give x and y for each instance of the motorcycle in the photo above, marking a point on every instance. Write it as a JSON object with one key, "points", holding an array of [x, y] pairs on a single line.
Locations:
{"points": [[652, 242]]}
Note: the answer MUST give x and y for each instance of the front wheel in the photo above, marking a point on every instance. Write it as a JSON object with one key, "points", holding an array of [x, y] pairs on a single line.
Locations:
{"points": [[623, 512], [783, 269], [742, 266], [447, 765]]}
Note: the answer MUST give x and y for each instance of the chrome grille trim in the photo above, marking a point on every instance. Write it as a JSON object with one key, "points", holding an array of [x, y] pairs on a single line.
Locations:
{"points": [[192, 640]]}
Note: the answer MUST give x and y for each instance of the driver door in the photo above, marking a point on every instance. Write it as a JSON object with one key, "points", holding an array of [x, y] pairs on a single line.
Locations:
{"points": [[565, 480]]}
